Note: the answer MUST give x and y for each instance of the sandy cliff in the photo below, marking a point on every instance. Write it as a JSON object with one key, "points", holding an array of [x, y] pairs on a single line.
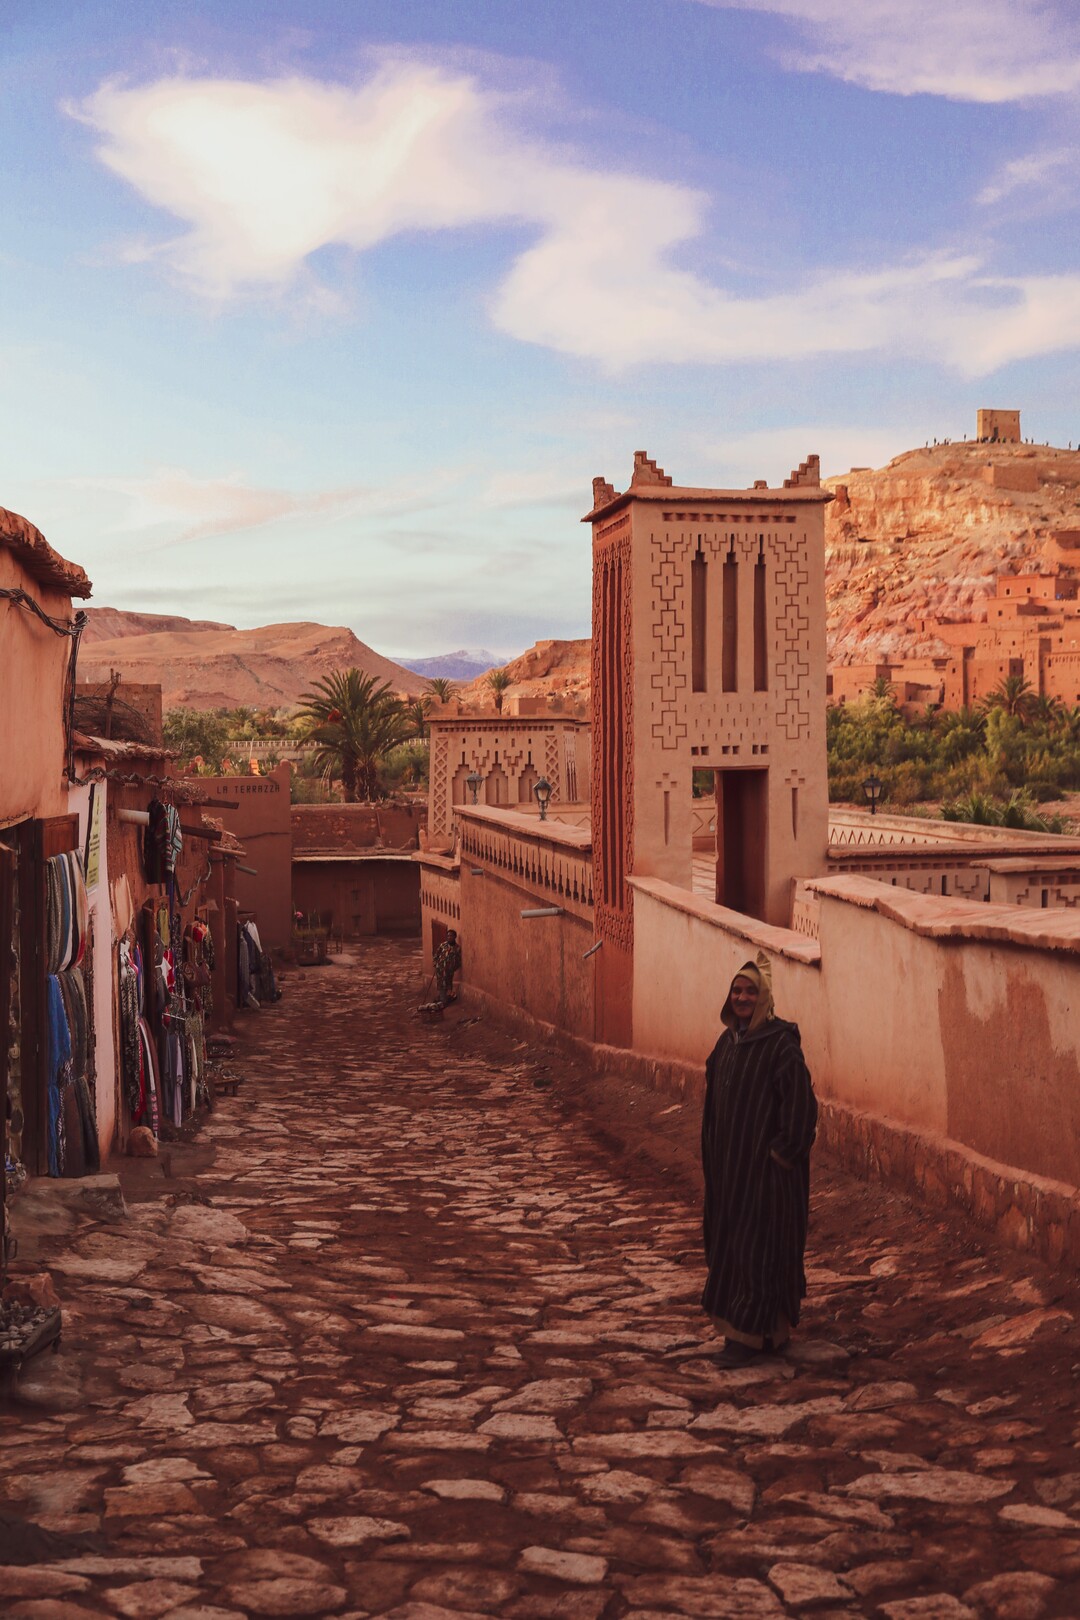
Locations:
{"points": [[923, 537]]}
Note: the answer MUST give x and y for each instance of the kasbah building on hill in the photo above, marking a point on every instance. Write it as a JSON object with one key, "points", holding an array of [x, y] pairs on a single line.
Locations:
{"points": [[934, 969], [1031, 625]]}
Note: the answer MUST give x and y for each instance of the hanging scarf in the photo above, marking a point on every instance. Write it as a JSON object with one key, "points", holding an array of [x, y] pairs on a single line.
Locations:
{"points": [[58, 1059]]}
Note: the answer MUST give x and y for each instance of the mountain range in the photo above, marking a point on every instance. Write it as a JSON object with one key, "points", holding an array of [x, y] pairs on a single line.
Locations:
{"points": [[464, 665], [917, 541]]}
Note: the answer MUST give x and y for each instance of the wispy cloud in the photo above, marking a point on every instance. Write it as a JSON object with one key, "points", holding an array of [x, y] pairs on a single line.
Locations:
{"points": [[265, 175], [761, 453], [1036, 181], [966, 50], [192, 508]]}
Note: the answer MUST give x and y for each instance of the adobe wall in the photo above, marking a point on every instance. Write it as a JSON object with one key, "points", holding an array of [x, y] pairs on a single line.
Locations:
{"points": [[536, 965], [261, 822], [33, 671], [360, 897], [907, 1040], [440, 900]]}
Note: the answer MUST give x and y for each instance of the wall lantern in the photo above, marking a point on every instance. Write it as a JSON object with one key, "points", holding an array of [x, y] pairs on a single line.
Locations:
{"points": [[872, 788], [473, 782], [543, 796]]}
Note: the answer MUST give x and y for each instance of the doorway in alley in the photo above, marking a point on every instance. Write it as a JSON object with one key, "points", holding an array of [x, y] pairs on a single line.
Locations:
{"points": [[741, 833]]}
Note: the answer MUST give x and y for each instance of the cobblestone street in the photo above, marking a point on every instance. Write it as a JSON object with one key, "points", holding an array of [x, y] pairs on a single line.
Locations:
{"points": [[412, 1331]]}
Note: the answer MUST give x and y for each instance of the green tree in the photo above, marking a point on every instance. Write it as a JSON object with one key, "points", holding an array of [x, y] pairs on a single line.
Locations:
{"points": [[417, 710], [1014, 696], [497, 682], [197, 734], [356, 723], [440, 689]]}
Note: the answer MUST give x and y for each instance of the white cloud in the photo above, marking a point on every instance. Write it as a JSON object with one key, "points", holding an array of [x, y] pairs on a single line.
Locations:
{"points": [[966, 50], [265, 175]]}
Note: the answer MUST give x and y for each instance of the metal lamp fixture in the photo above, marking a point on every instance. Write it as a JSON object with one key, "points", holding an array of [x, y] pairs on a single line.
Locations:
{"points": [[473, 782], [872, 788], [543, 796]]}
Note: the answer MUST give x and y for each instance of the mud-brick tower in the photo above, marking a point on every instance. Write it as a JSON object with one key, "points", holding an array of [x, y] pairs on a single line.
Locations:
{"points": [[708, 653]]}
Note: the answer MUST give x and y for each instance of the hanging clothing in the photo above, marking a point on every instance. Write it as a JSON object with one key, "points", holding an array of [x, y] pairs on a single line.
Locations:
{"points": [[758, 1126], [67, 912], [77, 1012], [162, 842], [130, 1061], [58, 1073]]}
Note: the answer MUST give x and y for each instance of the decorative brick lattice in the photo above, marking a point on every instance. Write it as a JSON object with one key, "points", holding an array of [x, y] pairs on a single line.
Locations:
{"points": [[551, 764], [439, 797], [669, 623], [791, 705]]}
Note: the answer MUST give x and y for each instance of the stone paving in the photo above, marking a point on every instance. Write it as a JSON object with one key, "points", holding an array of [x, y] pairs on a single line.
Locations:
{"points": [[416, 1342]]}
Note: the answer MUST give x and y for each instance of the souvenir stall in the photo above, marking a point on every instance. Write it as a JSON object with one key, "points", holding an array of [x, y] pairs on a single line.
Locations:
{"points": [[165, 960]]}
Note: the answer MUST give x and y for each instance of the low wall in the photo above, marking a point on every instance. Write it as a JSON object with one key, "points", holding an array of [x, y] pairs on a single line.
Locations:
{"points": [[358, 895], [512, 863], [948, 1023], [1026, 1212]]}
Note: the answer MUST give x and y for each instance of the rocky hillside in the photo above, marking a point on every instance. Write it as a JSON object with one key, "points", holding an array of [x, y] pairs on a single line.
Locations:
{"points": [[203, 665], [923, 537], [561, 667]]}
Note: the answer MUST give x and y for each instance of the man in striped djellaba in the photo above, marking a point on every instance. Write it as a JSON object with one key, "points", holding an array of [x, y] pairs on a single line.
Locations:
{"points": [[758, 1127]]}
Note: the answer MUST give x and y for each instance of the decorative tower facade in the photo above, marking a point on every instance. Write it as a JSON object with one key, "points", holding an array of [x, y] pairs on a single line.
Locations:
{"points": [[708, 654]]}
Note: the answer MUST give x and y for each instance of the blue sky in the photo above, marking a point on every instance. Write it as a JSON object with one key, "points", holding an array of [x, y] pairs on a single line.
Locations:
{"points": [[332, 310]]}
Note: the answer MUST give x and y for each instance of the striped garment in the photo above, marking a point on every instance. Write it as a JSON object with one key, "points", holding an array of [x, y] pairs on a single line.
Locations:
{"points": [[67, 911], [758, 1100]]}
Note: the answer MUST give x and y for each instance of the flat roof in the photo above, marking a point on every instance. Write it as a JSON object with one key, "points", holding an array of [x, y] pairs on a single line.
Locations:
{"points": [[682, 495]]}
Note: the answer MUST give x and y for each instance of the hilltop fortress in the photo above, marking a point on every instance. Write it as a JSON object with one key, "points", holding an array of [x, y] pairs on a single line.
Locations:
{"points": [[956, 566]]}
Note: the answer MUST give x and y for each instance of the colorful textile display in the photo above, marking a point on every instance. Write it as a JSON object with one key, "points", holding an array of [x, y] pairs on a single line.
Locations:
{"points": [[67, 912]]}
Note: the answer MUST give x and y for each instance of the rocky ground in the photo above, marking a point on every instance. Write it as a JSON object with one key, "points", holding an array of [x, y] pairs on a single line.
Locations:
{"points": [[412, 1331]]}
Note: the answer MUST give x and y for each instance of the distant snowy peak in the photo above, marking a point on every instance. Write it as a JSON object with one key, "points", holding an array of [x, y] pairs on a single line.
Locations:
{"points": [[463, 665]]}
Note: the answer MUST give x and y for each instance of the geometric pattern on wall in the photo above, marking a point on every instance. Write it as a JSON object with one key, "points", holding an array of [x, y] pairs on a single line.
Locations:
{"points": [[791, 705], [439, 797], [551, 763], [729, 718]]}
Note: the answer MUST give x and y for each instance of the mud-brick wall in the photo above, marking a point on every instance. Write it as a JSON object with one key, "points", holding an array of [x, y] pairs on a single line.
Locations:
{"points": [[33, 671], [533, 964], [358, 897], [964, 1036]]}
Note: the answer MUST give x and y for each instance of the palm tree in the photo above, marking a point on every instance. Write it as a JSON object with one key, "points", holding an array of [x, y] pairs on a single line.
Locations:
{"points": [[355, 723], [417, 710], [1048, 712], [498, 680], [441, 689], [1013, 695], [882, 687]]}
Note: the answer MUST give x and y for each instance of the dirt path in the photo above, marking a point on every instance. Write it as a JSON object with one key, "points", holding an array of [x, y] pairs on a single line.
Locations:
{"points": [[412, 1331]]}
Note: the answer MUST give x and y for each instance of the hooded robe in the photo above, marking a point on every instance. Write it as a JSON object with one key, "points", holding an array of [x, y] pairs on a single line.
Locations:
{"points": [[758, 1126]]}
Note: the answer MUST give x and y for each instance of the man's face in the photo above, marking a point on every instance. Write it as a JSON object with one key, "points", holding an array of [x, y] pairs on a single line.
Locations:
{"points": [[744, 998]]}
